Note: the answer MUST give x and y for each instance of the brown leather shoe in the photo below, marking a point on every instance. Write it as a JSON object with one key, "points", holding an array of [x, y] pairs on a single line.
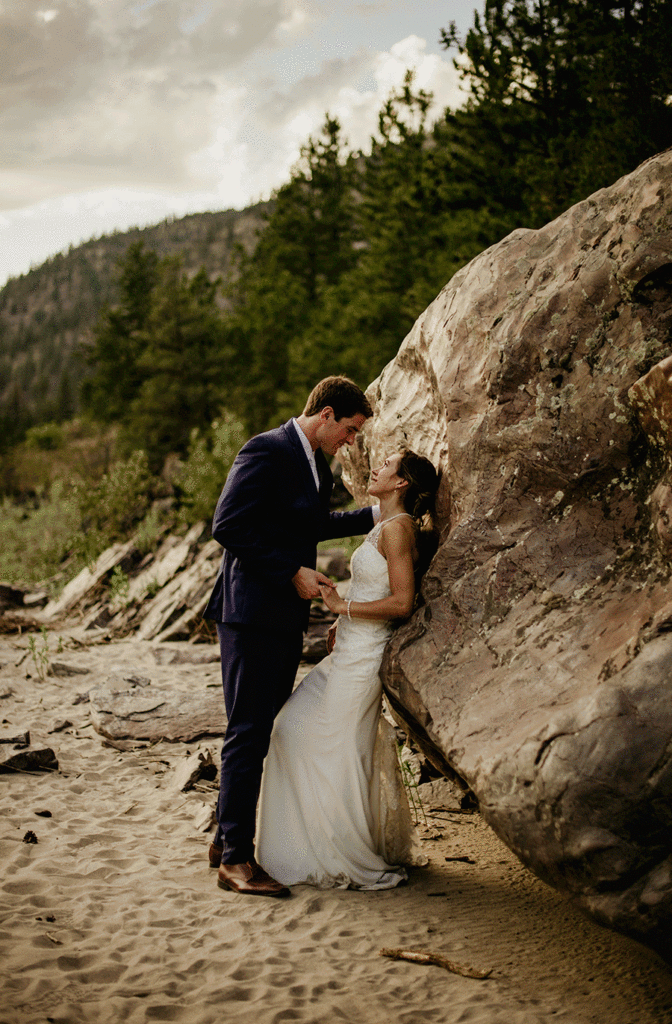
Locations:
{"points": [[215, 855], [249, 879]]}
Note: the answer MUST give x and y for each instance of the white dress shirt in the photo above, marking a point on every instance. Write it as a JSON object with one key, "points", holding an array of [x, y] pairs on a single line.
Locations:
{"points": [[310, 455]]}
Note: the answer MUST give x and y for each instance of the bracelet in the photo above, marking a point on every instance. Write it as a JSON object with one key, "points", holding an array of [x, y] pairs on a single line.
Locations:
{"points": [[349, 615]]}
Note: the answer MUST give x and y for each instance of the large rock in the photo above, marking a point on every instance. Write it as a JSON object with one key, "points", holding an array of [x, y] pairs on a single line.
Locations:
{"points": [[540, 667]]}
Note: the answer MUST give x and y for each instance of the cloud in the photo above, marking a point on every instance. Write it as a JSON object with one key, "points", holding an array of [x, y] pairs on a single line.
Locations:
{"points": [[116, 113], [289, 116], [105, 92]]}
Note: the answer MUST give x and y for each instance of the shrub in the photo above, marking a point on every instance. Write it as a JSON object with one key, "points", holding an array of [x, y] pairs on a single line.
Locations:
{"points": [[204, 471], [46, 437], [34, 541], [112, 508]]}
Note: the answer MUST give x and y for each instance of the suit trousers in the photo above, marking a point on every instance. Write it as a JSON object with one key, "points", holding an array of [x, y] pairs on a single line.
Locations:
{"points": [[258, 672]]}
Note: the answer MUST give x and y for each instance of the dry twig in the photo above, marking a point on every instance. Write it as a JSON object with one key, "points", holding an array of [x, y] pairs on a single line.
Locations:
{"points": [[418, 956]]}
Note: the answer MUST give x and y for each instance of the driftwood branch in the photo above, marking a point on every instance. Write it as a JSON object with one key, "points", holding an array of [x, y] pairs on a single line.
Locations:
{"points": [[418, 956]]}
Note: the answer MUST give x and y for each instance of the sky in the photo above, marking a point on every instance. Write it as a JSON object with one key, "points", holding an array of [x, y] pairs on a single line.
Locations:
{"points": [[117, 113]]}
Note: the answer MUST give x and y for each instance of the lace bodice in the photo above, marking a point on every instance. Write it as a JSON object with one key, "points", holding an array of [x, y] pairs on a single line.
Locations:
{"points": [[373, 536], [370, 580]]}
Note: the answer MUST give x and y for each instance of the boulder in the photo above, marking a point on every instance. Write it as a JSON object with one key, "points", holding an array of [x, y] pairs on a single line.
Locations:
{"points": [[539, 666]]}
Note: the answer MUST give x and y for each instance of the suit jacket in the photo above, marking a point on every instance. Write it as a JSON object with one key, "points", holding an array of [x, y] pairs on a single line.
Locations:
{"points": [[269, 519]]}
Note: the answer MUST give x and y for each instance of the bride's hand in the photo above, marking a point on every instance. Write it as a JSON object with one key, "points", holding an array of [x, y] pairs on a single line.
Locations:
{"points": [[333, 602]]}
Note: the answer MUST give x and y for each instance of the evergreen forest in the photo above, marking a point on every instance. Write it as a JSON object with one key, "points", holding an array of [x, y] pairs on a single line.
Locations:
{"points": [[180, 358]]}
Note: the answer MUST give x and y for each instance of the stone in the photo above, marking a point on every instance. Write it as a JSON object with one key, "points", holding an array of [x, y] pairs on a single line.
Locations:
{"points": [[314, 647], [21, 739], [538, 667], [333, 562], [172, 556], [156, 713], [37, 759], [175, 609], [441, 794], [64, 670], [60, 725]]}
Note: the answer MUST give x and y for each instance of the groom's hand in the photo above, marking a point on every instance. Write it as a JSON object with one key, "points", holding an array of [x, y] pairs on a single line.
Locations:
{"points": [[307, 582]]}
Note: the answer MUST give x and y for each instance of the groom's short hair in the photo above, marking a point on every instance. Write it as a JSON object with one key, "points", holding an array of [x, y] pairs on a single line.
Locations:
{"points": [[342, 394]]}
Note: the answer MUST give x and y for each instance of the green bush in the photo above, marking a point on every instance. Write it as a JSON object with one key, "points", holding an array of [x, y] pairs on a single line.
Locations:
{"points": [[46, 437], [77, 521], [111, 509], [150, 529], [204, 471], [34, 541]]}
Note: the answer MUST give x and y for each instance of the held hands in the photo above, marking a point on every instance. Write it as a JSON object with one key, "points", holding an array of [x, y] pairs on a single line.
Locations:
{"points": [[333, 602], [310, 583]]}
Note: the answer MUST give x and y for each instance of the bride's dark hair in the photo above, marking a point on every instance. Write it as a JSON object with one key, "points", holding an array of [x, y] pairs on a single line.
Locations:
{"points": [[423, 482], [419, 501]]}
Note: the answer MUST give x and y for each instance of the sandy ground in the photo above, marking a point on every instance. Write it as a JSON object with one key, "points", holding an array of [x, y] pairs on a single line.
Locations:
{"points": [[113, 915]]}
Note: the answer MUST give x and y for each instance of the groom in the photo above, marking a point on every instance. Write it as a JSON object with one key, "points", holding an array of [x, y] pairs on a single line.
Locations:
{"points": [[270, 516]]}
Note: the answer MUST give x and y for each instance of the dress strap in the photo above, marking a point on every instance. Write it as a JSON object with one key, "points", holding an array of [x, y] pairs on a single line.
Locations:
{"points": [[374, 535]]}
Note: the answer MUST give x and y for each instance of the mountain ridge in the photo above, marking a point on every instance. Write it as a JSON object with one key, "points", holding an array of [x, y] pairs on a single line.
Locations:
{"points": [[47, 312]]}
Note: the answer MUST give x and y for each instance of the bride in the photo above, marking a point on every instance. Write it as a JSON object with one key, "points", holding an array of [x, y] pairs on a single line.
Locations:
{"points": [[332, 810]]}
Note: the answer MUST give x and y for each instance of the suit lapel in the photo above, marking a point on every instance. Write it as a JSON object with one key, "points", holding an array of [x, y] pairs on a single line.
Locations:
{"points": [[301, 459]]}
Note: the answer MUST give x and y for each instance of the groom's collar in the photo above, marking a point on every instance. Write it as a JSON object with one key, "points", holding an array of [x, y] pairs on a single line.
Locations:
{"points": [[310, 454]]}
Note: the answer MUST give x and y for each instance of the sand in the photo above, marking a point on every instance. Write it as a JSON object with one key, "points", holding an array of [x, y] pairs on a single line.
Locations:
{"points": [[113, 915]]}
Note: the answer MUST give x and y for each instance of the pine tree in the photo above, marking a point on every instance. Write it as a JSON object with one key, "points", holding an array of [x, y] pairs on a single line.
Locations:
{"points": [[578, 92], [306, 246], [184, 363], [118, 342]]}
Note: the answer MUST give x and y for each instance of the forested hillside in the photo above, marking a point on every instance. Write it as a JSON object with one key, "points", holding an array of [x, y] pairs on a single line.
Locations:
{"points": [[47, 313], [564, 98]]}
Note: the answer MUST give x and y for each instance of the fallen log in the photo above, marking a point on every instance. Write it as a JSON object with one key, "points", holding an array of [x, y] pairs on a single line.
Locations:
{"points": [[152, 713]]}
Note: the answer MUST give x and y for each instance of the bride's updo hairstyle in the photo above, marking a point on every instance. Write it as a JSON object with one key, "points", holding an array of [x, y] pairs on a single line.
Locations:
{"points": [[419, 501]]}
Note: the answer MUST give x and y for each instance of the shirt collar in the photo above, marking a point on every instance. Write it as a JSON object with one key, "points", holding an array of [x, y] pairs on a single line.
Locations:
{"points": [[310, 454]]}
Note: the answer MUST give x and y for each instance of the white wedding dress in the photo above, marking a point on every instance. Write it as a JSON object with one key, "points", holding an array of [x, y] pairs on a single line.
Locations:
{"points": [[333, 810]]}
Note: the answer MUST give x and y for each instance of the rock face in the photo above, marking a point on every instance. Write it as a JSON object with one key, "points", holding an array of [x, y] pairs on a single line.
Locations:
{"points": [[540, 667]]}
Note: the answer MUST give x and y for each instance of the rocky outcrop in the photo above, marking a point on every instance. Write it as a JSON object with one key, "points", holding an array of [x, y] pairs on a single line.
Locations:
{"points": [[160, 597], [539, 668]]}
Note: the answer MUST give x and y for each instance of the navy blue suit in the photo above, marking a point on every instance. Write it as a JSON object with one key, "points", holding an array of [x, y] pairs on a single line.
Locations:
{"points": [[269, 519]]}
